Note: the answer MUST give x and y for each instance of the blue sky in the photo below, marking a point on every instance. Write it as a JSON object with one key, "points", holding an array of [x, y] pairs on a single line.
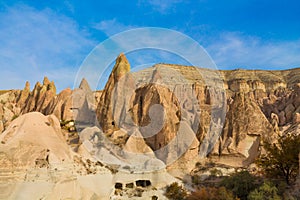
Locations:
{"points": [[53, 37]]}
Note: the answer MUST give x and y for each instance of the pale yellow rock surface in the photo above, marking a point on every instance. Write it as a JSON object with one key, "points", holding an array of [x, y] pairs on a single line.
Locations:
{"points": [[29, 136], [137, 144]]}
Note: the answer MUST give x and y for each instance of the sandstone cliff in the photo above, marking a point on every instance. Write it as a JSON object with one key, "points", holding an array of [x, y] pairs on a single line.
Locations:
{"points": [[229, 112], [256, 103]]}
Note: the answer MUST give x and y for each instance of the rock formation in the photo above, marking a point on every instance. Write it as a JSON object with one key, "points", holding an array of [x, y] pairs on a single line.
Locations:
{"points": [[160, 125], [64, 106], [245, 128], [24, 95], [156, 101], [256, 103], [9, 110], [61, 105], [36, 162], [83, 105], [40, 97], [112, 106], [33, 139], [163, 117]]}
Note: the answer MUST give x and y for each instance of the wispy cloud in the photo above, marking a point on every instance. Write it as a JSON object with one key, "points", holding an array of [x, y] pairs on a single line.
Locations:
{"points": [[228, 50], [143, 46], [232, 50], [162, 6], [112, 26], [35, 43]]}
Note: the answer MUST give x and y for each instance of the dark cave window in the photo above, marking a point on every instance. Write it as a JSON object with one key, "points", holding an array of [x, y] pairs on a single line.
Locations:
{"points": [[119, 186], [143, 183], [154, 198]]}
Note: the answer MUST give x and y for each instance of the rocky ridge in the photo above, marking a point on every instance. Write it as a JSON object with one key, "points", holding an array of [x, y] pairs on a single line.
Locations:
{"points": [[43, 98]]}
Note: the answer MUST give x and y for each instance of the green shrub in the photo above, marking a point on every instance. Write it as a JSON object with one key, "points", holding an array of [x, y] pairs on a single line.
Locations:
{"points": [[281, 159], [175, 192], [267, 191], [241, 184]]}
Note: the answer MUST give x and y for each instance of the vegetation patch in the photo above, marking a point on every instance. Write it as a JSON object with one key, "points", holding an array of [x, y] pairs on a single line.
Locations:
{"points": [[281, 159]]}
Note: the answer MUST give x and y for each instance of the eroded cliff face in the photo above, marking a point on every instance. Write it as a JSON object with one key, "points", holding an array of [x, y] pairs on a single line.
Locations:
{"points": [[274, 91], [176, 111], [156, 111], [256, 103], [244, 129]]}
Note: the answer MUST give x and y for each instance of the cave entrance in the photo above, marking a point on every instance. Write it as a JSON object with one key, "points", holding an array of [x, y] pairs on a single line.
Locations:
{"points": [[119, 186], [143, 183]]}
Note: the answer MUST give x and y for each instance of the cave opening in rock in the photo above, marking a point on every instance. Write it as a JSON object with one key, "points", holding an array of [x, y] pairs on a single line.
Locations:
{"points": [[143, 183], [119, 186]]}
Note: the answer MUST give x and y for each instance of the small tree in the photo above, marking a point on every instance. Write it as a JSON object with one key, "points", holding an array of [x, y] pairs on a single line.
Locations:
{"points": [[266, 191], [175, 192], [281, 159]]}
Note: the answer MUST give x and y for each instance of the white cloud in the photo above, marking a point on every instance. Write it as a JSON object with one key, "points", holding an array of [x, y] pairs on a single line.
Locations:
{"points": [[112, 26], [231, 50], [35, 43]]}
